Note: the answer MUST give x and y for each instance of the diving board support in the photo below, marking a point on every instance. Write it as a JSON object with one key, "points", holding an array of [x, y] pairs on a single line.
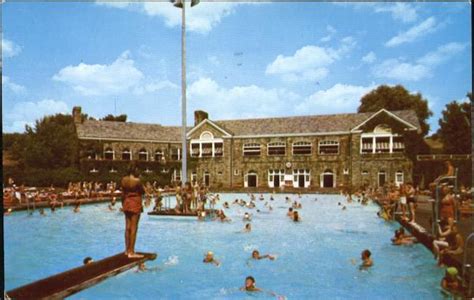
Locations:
{"points": [[72, 281]]}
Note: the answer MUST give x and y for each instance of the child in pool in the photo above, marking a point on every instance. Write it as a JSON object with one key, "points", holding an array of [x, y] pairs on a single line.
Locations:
{"points": [[366, 260], [209, 259], [256, 255], [450, 281]]}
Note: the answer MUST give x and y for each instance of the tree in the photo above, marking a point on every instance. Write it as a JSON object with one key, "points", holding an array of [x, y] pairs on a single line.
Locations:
{"points": [[52, 143], [397, 98], [455, 127], [119, 118]]}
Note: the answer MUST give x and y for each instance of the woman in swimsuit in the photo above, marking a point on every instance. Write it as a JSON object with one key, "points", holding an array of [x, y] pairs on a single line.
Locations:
{"points": [[132, 190]]}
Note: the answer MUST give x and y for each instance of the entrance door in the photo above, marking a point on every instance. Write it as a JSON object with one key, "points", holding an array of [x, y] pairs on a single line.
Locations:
{"points": [[382, 178], [328, 180], [206, 179], [276, 180], [252, 180], [300, 180]]}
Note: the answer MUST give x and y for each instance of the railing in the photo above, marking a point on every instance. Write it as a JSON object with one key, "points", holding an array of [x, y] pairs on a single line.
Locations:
{"points": [[429, 157], [438, 182], [468, 265]]}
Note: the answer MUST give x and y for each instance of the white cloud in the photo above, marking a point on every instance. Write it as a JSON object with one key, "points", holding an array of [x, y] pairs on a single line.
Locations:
{"points": [[9, 48], [309, 63], [369, 58], [399, 70], [16, 88], [400, 11], [26, 113], [337, 99], [246, 101], [155, 87], [331, 31], [427, 26], [441, 54], [201, 18], [97, 80]]}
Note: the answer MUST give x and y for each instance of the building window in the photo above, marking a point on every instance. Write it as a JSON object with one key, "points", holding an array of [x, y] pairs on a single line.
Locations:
{"points": [[252, 149], [302, 148], [382, 144], [301, 178], [126, 154], [381, 140], [367, 145], [276, 148], [143, 154], [207, 146], [112, 170], [175, 153], [365, 173], [176, 175], [328, 147], [236, 172], [399, 178], [109, 154], [159, 155], [93, 170]]}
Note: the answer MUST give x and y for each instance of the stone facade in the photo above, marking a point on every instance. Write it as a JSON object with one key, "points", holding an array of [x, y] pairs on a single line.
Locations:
{"points": [[325, 159]]}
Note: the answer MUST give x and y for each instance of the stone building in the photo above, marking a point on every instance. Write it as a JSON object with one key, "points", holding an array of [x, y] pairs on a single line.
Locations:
{"points": [[324, 151]]}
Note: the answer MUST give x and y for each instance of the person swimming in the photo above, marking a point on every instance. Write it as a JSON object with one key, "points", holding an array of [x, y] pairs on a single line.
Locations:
{"points": [[256, 255], [290, 212], [42, 212], [451, 281], [366, 260], [296, 217], [248, 228], [247, 217], [250, 285], [210, 259]]}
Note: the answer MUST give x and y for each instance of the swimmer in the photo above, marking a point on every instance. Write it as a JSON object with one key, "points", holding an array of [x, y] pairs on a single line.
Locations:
{"points": [[247, 217], [226, 205], [256, 255], [42, 212], [271, 198], [261, 197], [110, 207], [87, 260], [250, 285], [451, 281], [290, 212], [296, 217], [366, 260], [344, 207], [143, 268], [77, 208], [315, 199], [248, 228], [209, 259]]}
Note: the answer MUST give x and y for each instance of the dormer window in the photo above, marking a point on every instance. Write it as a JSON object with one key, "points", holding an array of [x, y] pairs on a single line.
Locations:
{"points": [[207, 146]]}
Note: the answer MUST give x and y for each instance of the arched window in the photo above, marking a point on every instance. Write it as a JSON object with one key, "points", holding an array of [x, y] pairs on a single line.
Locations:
{"points": [[143, 154], [109, 154], [126, 154], [206, 135], [251, 149], [159, 155], [276, 148], [90, 153], [302, 148], [328, 147]]}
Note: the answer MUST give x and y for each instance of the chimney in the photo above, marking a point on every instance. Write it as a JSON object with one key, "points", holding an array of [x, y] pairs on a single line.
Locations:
{"points": [[76, 114], [199, 116]]}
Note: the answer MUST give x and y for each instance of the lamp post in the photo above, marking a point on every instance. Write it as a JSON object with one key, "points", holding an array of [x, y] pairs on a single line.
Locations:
{"points": [[182, 4]]}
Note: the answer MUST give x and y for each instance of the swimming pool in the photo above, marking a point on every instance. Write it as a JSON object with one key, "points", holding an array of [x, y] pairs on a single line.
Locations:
{"points": [[314, 256]]}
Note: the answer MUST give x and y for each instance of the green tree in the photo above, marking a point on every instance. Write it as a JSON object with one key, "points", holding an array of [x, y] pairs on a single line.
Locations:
{"points": [[397, 98], [119, 118], [52, 143], [455, 127]]}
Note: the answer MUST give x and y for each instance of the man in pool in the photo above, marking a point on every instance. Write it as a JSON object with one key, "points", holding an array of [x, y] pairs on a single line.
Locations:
{"points": [[250, 285], [248, 228], [290, 212], [256, 255], [247, 217], [296, 217], [366, 260], [209, 259]]}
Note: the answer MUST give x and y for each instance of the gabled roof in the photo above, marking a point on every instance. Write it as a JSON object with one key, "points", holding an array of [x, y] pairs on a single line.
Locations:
{"points": [[393, 115], [336, 123], [111, 130], [281, 126]]}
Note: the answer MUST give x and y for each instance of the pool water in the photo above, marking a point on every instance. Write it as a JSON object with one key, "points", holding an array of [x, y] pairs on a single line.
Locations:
{"points": [[313, 256]]}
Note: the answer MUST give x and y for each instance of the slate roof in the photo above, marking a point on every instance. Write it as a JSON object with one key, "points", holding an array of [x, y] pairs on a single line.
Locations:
{"points": [[92, 129]]}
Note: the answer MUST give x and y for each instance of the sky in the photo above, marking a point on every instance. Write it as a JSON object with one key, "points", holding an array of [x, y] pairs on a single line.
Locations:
{"points": [[247, 59]]}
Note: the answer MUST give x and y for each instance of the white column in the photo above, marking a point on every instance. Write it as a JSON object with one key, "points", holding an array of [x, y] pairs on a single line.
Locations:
{"points": [[213, 149], [373, 144], [391, 144], [200, 149]]}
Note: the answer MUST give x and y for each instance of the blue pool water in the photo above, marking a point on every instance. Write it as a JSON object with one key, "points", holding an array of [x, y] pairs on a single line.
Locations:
{"points": [[313, 257]]}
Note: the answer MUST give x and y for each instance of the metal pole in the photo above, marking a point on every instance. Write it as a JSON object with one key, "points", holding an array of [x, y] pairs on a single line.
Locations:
{"points": [[183, 93]]}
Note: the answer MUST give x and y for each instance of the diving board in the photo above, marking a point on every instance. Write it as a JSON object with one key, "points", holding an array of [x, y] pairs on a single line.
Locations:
{"points": [[72, 281]]}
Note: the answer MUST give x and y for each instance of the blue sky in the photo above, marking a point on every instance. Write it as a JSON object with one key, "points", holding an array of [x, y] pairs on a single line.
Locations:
{"points": [[244, 59]]}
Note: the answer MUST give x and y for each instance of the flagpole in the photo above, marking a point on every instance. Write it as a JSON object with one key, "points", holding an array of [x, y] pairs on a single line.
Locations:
{"points": [[183, 94]]}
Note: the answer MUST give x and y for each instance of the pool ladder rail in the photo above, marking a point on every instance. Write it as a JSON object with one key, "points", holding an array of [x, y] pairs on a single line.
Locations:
{"points": [[72, 281]]}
